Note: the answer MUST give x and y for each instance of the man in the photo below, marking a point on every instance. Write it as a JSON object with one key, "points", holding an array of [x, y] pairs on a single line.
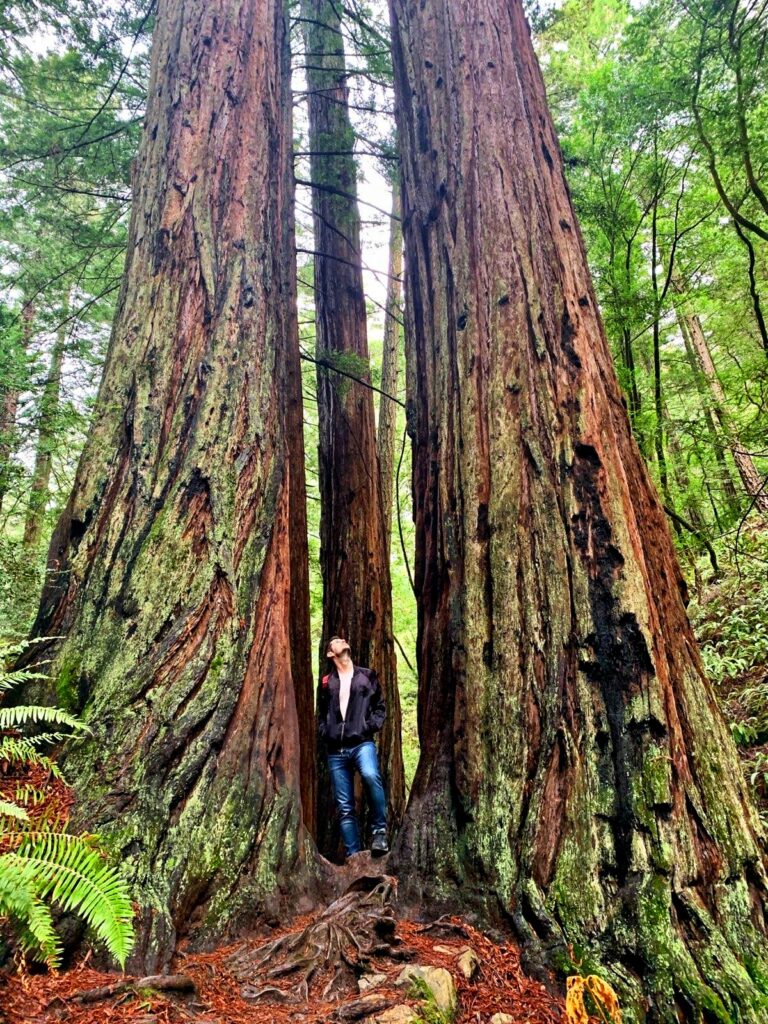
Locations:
{"points": [[350, 711]]}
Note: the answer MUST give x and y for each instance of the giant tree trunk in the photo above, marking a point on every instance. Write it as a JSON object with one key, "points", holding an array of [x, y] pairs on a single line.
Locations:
{"points": [[171, 575], [390, 360], [354, 559], [575, 772]]}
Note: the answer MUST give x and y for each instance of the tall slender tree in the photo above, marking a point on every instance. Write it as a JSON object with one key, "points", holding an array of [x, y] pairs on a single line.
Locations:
{"points": [[713, 433], [575, 771], [171, 575], [48, 417], [354, 553], [14, 357], [390, 360], [696, 339]]}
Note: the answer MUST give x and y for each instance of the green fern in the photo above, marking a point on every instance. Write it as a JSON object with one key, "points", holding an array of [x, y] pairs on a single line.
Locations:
{"points": [[49, 865], [24, 750], [31, 714], [29, 916], [12, 811], [27, 794], [71, 872], [10, 652]]}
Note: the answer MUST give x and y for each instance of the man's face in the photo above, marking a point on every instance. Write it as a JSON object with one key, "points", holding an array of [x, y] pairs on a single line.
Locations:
{"points": [[337, 647]]}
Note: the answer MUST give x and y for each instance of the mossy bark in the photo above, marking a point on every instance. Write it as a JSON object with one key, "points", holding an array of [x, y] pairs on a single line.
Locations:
{"points": [[172, 577], [354, 554], [575, 772]]}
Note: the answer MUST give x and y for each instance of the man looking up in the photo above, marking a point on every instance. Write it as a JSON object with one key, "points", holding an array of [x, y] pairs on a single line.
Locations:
{"points": [[351, 710]]}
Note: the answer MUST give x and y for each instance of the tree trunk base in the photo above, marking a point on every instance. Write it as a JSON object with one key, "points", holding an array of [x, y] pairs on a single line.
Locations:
{"points": [[331, 953]]}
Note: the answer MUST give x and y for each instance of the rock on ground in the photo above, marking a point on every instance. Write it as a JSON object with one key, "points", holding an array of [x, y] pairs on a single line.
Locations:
{"points": [[437, 979]]}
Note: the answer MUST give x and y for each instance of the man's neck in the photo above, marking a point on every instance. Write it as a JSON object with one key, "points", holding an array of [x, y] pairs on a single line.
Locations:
{"points": [[343, 666]]}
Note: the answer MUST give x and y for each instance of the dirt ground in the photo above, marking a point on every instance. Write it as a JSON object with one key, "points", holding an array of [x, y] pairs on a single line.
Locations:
{"points": [[70, 996]]}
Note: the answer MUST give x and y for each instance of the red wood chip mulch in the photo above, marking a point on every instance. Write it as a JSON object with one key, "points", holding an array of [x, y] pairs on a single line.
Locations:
{"points": [[500, 986]]}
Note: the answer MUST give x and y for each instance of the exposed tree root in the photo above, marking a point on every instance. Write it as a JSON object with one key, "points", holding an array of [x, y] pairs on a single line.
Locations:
{"points": [[341, 942], [155, 982], [445, 928]]}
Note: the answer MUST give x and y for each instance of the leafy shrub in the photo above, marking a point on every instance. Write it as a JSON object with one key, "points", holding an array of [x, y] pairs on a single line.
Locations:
{"points": [[731, 623], [41, 863]]}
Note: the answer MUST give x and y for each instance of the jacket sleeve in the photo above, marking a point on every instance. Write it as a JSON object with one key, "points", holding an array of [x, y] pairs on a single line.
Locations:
{"points": [[322, 706], [377, 709]]}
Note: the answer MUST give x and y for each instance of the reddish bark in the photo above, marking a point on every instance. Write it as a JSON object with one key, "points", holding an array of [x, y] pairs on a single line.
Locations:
{"points": [[177, 576], [575, 771]]}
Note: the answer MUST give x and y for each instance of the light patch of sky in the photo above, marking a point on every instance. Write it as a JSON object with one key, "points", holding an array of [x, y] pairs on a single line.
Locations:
{"points": [[373, 189]]}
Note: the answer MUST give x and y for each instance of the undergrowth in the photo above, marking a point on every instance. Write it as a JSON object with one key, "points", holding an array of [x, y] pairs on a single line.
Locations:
{"points": [[42, 865], [730, 618]]}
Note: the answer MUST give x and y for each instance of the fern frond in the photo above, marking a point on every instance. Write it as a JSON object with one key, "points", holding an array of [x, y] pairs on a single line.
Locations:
{"points": [[72, 872], [12, 649], [8, 810], [43, 739], [32, 920], [9, 652], [27, 794], [27, 714], [23, 675], [22, 750]]}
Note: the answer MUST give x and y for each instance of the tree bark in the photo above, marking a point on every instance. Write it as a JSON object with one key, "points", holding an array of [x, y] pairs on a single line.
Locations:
{"points": [[171, 575], [39, 492], [390, 361], [575, 772], [357, 601]]}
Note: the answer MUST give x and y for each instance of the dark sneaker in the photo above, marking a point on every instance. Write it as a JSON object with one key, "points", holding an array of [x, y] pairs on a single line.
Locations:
{"points": [[379, 845]]}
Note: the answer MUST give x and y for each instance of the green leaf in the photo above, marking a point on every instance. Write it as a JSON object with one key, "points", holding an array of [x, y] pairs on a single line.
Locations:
{"points": [[13, 811], [16, 717], [71, 872]]}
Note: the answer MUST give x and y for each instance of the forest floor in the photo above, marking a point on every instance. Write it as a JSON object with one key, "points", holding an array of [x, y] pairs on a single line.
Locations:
{"points": [[85, 995], [362, 939]]}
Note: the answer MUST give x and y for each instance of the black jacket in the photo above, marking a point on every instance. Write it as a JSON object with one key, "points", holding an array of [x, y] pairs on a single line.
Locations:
{"points": [[365, 712]]}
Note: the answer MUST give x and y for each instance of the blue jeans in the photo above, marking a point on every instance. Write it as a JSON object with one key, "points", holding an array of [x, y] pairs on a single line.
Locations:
{"points": [[342, 765]]}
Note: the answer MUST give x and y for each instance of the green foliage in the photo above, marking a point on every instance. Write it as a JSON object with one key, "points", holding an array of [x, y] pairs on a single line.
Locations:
{"points": [[70, 121], [626, 83], [731, 622], [41, 864], [732, 628], [71, 872]]}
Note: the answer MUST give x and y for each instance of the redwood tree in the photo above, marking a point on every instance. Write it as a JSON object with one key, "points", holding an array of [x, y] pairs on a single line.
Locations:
{"points": [[50, 401], [390, 360], [174, 573], [354, 553], [575, 772]]}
